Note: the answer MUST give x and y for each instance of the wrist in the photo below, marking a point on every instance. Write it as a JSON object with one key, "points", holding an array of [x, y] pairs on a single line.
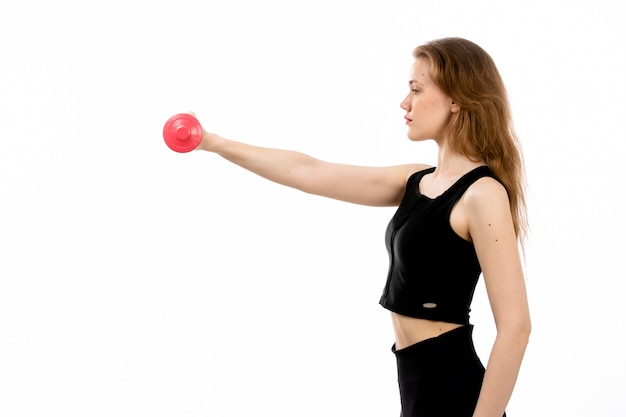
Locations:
{"points": [[210, 142]]}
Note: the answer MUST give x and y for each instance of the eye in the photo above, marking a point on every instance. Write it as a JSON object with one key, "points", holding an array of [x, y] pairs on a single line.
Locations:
{"points": [[415, 91]]}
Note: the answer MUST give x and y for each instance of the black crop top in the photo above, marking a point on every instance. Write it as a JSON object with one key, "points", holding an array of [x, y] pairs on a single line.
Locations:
{"points": [[433, 272]]}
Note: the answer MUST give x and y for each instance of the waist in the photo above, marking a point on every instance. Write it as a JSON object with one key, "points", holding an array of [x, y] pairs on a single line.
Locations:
{"points": [[437, 356], [409, 330]]}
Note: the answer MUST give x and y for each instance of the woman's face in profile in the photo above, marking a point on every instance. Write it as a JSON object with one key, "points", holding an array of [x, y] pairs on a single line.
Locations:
{"points": [[428, 109]]}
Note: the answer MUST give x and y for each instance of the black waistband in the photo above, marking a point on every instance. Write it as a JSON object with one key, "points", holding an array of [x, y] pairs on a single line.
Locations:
{"points": [[448, 350]]}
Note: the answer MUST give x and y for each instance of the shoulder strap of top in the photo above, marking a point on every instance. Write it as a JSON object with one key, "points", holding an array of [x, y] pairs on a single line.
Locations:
{"points": [[459, 188], [416, 177]]}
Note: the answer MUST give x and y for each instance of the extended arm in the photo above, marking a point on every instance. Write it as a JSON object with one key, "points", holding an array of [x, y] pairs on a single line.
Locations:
{"points": [[373, 186], [491, 229]]}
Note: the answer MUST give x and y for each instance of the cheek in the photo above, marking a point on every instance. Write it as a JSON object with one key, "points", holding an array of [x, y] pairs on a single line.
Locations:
{"points": [[423, 106], [434, 111], [424, 111]]}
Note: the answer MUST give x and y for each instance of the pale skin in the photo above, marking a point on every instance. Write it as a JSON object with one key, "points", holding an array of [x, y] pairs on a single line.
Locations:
{"points": [[482, 216]]}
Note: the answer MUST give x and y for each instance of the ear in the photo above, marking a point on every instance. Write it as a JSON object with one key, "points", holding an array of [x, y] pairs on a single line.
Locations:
{"points": [[454, 108]]}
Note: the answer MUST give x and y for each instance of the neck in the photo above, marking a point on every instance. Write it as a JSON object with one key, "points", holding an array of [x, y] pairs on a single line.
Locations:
{"points": [[452, 163]]}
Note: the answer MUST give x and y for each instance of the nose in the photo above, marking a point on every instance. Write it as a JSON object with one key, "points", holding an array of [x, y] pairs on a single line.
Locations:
{"points": [[406, 103]]}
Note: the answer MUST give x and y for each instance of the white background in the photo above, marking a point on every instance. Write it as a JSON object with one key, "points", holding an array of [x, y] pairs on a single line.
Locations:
{"points": [[135, 281]]}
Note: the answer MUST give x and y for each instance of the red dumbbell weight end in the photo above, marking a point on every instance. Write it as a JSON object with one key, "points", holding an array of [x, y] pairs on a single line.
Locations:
{"points": [[182, 133]]}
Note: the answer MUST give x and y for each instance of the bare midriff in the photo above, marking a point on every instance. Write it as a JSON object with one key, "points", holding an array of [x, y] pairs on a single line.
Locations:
{"points": [[409, 330]]}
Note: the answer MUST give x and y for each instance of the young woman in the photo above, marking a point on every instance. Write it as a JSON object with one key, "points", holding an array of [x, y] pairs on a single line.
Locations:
{"points": [[464, 217]]}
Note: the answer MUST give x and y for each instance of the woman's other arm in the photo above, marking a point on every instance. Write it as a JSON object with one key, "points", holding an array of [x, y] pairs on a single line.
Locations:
{"points": [[491, 230]]}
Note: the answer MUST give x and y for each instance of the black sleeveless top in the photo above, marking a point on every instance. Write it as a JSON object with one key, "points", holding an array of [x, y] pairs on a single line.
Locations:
{"points": [[433, 272]]}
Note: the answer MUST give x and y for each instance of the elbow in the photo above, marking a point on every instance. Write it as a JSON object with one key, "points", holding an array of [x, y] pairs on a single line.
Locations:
{"points": [[524, 332], [517, 331], [523, 327]]}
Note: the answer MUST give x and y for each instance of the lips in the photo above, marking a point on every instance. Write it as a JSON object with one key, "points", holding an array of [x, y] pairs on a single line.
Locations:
{"points": [[407, 120]]}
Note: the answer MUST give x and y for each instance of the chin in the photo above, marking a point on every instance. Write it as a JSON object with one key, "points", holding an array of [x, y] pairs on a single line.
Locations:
{"points": [[416, 138]]}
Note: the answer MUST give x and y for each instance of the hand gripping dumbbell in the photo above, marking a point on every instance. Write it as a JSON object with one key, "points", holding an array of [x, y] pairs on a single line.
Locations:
{"points": [[182, 132]]}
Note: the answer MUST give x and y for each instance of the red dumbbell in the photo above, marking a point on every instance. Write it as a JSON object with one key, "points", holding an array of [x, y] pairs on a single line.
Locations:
{"points": [[182, 133]]}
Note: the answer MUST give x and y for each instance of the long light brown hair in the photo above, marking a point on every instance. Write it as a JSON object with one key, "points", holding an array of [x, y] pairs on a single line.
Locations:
{"points": [[482, 129]]}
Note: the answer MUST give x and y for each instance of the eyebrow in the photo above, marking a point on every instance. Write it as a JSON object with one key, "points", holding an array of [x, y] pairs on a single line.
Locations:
{"points": [[414, 82]]}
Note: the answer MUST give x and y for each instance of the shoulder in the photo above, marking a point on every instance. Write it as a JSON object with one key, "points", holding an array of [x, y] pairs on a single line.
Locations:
{"points": [[487, 207], [417, 170], [486, 191]]}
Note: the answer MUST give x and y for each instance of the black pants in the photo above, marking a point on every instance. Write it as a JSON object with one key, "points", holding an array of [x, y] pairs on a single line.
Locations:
{"points": [[440, 377]]}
